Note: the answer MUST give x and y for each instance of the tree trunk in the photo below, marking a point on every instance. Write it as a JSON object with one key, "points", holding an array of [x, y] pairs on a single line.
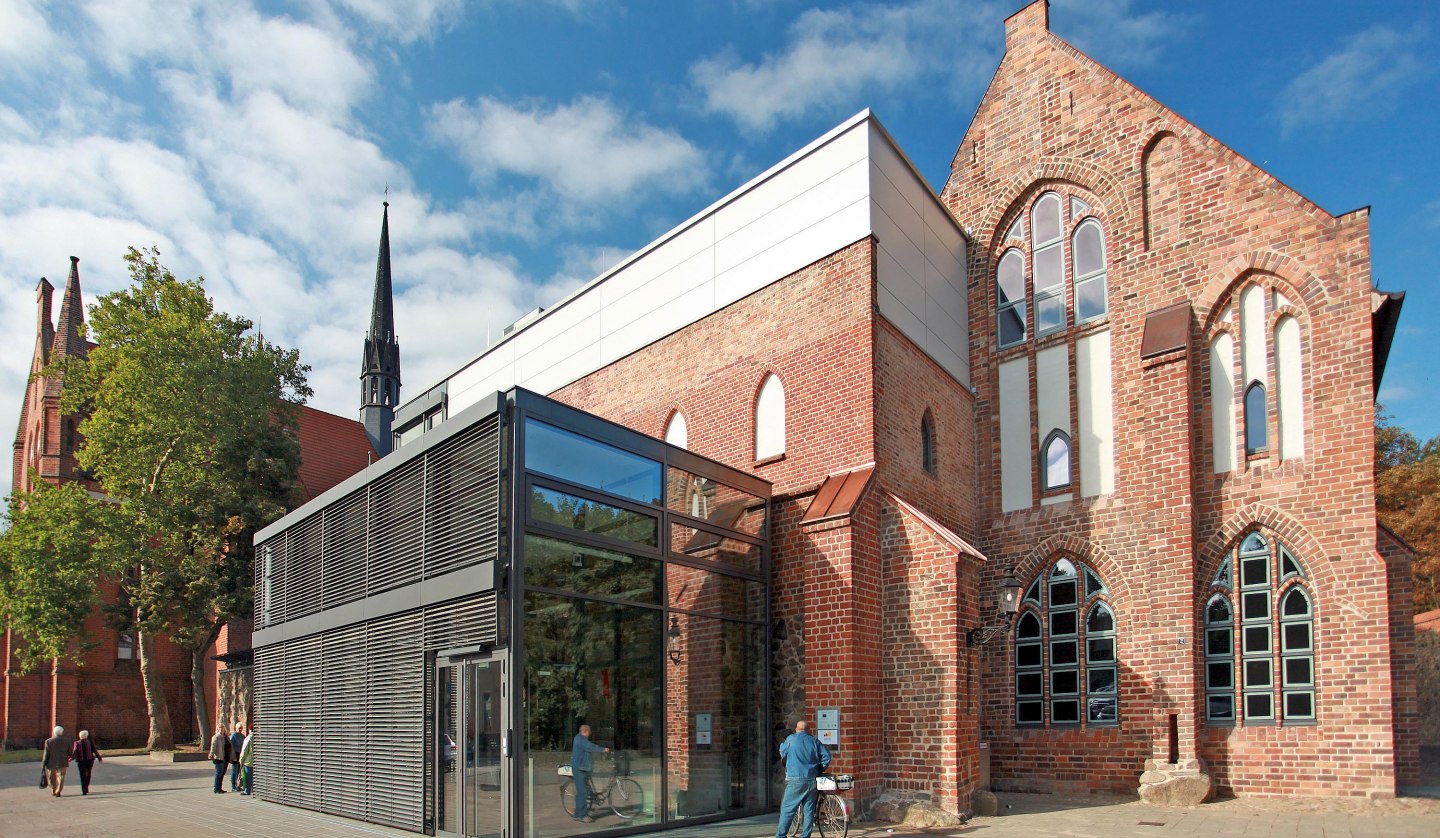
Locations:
{"points": [[162, 738], [197, 684]]}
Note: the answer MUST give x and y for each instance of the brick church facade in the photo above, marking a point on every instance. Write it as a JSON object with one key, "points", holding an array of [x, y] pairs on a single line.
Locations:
{"points": [[1112, 360], [104, 693]]}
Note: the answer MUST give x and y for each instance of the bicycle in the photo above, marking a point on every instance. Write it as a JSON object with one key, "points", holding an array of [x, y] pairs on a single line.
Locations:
{"points": [[621, 795], [832, 812]]}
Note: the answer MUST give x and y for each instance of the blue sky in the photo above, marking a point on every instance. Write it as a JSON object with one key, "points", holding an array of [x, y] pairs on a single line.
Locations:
{"points": [[529, 144]]}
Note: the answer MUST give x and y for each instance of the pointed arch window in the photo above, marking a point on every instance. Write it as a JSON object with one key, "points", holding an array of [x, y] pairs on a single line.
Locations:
{"points": [[1055, 455], [1272, 607], [1256, 437], [927, 443], [677, 431], [770, 419], [1066, 665], [1048, 252], [1010, 298], [1091, 299]]}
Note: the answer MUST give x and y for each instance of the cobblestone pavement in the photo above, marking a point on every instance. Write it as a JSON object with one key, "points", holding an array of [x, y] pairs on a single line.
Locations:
{"points": [[133, 797]]}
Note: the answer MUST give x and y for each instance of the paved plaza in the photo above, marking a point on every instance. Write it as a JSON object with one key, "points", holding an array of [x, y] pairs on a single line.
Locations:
{"points": [[134, 797]]}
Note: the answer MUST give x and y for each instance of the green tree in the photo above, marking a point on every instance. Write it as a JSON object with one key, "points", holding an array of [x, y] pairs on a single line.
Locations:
{"points": [[190, 427], [1407, 500], [49, 563]]}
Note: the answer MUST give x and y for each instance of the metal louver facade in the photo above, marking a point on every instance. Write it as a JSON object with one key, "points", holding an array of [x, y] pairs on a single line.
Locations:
{"points": [[332, 667], [391, 618]]}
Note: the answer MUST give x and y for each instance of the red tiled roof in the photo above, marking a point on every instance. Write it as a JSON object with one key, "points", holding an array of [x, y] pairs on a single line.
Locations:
{"points": [[331, 449]]}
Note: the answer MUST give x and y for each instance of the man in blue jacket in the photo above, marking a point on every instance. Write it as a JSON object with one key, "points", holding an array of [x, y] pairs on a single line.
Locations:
{"points": [[581, 766], [805, 759]]}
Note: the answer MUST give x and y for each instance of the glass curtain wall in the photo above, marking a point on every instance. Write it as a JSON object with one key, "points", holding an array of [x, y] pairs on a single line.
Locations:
{"points": [[643, 615]]}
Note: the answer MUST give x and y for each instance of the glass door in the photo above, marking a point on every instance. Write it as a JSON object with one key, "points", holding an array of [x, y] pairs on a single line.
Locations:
{"points": [[471, 747]]}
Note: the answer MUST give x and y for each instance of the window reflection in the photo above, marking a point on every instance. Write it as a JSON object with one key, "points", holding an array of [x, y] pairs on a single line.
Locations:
{"points": [[569, 456], [577, 513], [715, 711], [716, 593], [590, 663], [551, 563], [701, 544], [721, 505]]}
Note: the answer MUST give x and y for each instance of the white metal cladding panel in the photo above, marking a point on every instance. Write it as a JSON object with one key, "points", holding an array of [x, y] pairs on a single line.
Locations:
{"points": [[1222, 402], [493, 372], [302, 568], [305, 751], [396, 537], [810, 208], [462, 507], [1015, 462], [269, 721], [685, 263], [343, 722], [797, 179], [343, 563], [395, 714], [783, 228], [1095, 397], [571, 329], [922, 262], [658, 322], [1052, 392]]}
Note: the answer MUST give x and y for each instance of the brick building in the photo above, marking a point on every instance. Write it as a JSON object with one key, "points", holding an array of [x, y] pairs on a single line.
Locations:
{"points": [[104, 693], [1112, 360]]}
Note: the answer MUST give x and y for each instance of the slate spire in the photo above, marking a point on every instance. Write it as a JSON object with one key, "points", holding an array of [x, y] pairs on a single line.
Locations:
{"points": [[380, 364]]}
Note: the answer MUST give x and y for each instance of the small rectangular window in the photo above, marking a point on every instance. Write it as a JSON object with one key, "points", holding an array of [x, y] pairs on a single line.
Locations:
{"points": [[1065, 712], [1220, 708], [1104, 711], [1064, 653], [1029, 712]]}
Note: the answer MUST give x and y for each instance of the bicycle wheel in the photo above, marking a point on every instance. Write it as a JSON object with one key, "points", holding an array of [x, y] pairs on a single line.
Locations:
{"points": [[627, 798], [567, 797], [831, 816]]}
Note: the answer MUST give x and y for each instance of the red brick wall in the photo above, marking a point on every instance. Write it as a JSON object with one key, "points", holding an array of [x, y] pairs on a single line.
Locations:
{"points": [[1053, 117]]}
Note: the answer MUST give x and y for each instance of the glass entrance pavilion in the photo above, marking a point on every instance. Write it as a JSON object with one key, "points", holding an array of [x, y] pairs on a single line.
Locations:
{"points": [[432, 633]]}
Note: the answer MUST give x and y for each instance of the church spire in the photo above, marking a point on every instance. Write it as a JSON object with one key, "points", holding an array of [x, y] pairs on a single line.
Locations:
{"points": [[68, 339], [380, 365]]}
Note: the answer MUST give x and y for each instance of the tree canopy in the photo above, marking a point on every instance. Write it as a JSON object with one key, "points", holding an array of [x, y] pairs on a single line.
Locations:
{"points": [[189, 426], [1407, 500]]}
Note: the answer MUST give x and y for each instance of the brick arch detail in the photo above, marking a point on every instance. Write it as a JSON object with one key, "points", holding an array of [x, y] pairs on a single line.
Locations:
{"points": [[1117, 202], [668, 414], [1287, 269], [1284, 526], [1089, 553]]}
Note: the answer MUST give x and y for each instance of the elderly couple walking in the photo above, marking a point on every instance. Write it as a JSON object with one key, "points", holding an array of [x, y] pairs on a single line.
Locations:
{"points": [[236, 752], [60, 752]]}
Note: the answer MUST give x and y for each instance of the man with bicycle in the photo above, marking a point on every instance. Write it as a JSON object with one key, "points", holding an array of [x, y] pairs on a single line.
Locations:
{"points": [[805, 759], [582, 765]]}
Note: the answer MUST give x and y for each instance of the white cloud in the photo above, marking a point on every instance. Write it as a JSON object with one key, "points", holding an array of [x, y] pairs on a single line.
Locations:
{"points": [[1362, 80], [131, 31], [405, 20], [1112, 33], [586, 151], [834, 55], [25, 34]]}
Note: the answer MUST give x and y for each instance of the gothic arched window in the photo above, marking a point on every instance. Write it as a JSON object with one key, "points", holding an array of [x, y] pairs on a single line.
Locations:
{"points": [[770, 419], [1272, 605], [927, 443], [1055, 460], [1066, 667]]}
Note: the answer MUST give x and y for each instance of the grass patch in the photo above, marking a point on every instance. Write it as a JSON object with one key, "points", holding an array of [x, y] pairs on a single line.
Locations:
{"points": [[20, 755]]}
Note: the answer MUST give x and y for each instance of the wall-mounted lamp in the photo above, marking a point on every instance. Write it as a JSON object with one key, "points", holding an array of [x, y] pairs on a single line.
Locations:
{"points": [[1007, 604], [673, 645]]}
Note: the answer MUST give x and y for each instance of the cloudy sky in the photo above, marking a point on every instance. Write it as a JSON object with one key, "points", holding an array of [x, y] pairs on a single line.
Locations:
{"points": [[528, 144]]}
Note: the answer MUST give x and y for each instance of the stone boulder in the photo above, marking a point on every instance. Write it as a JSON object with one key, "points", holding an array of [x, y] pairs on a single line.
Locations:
{"points": [[1176, 784], [888, 808], [928, 815], [985, 803]]}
